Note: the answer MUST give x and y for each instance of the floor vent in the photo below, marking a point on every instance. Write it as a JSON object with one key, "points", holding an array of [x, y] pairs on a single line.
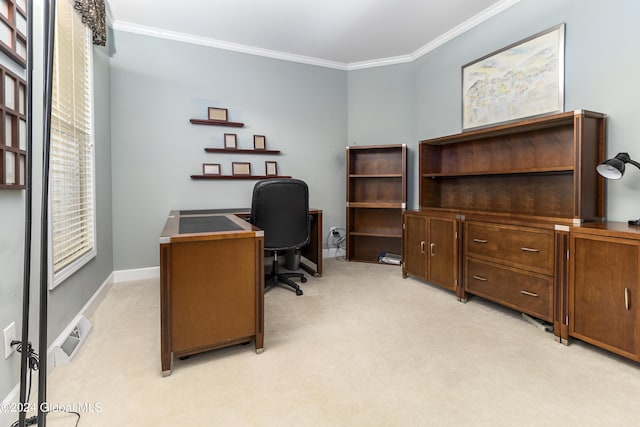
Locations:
{"points": [[65, 352]]}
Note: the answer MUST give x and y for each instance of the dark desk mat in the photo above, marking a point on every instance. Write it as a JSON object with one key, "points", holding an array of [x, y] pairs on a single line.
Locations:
{"points": [[213, 211], [206, 224]]}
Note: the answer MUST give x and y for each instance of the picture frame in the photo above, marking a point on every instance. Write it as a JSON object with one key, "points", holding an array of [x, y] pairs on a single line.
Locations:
{"points": [[220, 114], [271, 168], [498, 88], [211, 168], [259, 142], [230, 141], [241, 168]]}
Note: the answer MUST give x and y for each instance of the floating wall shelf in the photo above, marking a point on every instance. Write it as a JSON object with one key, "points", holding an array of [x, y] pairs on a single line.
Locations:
{"points": [[216, 123], [240, 151], [236, 176]]}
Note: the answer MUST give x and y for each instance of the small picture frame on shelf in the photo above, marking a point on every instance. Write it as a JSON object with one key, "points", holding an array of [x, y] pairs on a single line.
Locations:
{"points": [[220, 114], [259, 142], [211, 168], [271, 168], [241, 168], [230, 141]]}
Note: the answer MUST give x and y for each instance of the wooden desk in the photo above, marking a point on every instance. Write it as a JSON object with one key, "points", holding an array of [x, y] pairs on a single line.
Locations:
{"points": [[312, 252], [211, 285]]}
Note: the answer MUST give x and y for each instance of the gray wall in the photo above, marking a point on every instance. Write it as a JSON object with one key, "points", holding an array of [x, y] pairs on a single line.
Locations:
{"points": [[158, 85], [65, 301]]}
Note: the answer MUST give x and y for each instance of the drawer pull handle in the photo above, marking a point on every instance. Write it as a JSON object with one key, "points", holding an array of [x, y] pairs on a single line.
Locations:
{"points": [[482, 279], [422, 247], [626, 298], [432, 246], [531, 294], [480, 240], [529, 249]]}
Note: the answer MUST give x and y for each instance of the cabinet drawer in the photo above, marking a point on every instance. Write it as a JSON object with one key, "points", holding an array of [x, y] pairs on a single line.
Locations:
{"points": [[528, 292], [525, 247]]}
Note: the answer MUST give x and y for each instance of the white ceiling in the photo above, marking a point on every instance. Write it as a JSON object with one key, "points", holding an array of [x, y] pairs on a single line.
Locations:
{"points": [[338, 32]]}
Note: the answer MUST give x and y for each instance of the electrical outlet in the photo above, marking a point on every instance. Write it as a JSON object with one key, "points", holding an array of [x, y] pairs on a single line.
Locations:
{"points": [[9, 335]]}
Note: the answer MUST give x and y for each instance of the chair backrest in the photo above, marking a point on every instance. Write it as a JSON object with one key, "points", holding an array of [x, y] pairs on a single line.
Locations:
{"points": [[280, 207]]}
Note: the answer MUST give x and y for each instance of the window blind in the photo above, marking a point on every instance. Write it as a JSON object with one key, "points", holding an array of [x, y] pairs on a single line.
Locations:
{"points": [[71, 154]]}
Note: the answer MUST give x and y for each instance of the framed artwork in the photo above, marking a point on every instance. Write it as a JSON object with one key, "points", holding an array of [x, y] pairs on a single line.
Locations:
{"points": [[211, 169], [230, 141], [259, 142], [524, 79], [218, 114], [241, 168], [271, 168]]}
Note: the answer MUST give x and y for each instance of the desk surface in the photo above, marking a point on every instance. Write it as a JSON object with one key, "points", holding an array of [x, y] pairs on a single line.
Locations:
{"points": [[211, 226], [172, 231]]}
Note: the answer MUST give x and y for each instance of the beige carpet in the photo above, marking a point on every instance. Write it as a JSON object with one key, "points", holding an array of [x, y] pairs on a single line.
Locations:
{"points": [[362, 347]]}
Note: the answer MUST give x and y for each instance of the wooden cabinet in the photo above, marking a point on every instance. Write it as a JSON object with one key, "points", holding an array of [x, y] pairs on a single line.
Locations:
{"points": [[515, 189], [431, 249], [376, 198], [604, 285]]}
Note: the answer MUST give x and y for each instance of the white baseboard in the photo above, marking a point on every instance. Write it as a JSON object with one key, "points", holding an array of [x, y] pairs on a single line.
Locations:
{"points": [[86, 311], [136, 274]]}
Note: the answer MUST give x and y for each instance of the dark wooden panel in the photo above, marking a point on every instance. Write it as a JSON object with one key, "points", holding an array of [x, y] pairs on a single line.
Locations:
{"points": [[209, 309], [415, 241], [605, 279], [376, 161], [378, 189], [368, 248], [527, 292], [524, 247], [442, 252], [376, 221], [546, 149], [539, 195]]}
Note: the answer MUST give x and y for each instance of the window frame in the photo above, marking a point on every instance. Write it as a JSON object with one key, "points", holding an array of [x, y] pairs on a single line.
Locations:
{"points": [[57, 278]]}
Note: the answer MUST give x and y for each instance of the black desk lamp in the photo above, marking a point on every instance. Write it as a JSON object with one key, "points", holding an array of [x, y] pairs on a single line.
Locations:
{"points": [[614, 169]]}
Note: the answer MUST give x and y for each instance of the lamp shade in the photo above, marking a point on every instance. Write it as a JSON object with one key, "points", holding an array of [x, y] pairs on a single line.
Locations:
{"points": [[613, 168]]}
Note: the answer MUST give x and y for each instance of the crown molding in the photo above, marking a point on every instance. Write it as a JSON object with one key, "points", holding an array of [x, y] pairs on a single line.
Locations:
{"points": [[467, 25], [236, 47], [251, 50]]}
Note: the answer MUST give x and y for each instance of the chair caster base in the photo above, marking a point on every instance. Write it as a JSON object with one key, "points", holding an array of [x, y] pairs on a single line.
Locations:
{"points": [[298, 292], [303, 279]]}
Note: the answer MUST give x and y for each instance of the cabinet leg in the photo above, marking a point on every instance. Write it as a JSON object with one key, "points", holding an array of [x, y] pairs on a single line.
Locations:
{"points": [[166, 360], [259, 343]]}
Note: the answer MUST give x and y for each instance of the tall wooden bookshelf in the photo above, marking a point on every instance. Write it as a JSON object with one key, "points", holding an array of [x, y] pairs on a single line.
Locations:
{"points": [[376, 199]]}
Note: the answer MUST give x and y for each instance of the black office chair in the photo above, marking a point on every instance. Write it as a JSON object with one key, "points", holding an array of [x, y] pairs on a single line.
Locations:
{"points": [[280, 207]]}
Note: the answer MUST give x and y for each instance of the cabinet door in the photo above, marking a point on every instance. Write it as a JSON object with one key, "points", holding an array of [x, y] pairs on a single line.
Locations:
{"points": [[415, 242], [443, 252], [603, 293]]}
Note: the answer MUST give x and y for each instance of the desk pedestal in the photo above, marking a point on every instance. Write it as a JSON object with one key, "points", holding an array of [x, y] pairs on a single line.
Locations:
{"points": [[212, 293]]}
